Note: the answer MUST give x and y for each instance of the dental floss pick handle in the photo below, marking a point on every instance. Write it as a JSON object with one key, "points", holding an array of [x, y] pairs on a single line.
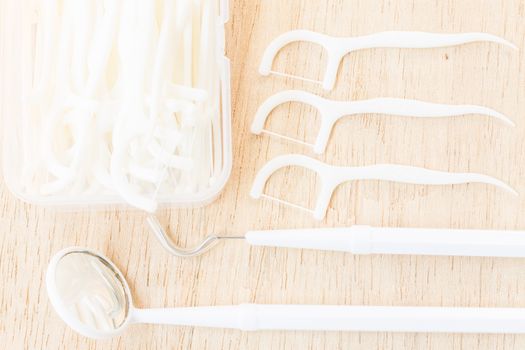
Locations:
{"points": [[252, 317], [405, 241]]}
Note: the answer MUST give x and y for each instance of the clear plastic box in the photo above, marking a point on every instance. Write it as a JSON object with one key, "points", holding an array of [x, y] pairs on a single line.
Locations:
{"points": [[17, 42]]}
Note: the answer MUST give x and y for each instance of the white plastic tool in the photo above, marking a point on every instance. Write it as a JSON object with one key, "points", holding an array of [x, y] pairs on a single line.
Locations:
{"points": [[398, 241], [91, 295], [360, 239], [333, 176], [331, 111], [338, 47]]}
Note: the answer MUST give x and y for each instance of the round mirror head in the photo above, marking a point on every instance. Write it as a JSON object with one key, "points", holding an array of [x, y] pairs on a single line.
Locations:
{"points": [[88, 292]]}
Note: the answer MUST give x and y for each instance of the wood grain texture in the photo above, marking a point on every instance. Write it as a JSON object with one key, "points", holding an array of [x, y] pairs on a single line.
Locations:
{"points": [[484, 74]]}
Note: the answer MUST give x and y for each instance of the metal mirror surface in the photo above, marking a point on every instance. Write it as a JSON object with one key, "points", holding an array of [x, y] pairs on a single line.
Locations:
{"points": [[92, 291]]}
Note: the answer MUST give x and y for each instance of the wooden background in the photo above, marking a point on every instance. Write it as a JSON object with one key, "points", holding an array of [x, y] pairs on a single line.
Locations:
{"points": [[484, 74]]}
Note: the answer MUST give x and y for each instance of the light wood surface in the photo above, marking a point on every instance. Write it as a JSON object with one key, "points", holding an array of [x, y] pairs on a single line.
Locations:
{"points": [[484, 74]]}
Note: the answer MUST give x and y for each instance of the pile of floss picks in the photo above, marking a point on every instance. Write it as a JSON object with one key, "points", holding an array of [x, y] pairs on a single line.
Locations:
{"points": [[125, 99]]}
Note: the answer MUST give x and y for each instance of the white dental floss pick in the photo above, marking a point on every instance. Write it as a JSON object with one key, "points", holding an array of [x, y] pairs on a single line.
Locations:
{"points": [[332, 111], [333, 176], [132, 58], [188, 93], [102, 44], [162, 69], [196, 34], [172, 161], [81, 29], [165, 43], [188, 45], [64, 173], [338, 47], [32, 73], [46, 60], [206, 47], [182, 22]]}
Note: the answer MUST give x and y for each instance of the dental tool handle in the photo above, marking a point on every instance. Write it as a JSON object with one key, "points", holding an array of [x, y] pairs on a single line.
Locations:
{"points": [[410, 39], [406, 241], [252, 317], [398, 39]]}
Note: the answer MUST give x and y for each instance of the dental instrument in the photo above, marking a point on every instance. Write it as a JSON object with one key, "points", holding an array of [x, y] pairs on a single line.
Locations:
{"points": [[333, 176], [338, 47], [91, 295], [332, 111], [365, 240]]}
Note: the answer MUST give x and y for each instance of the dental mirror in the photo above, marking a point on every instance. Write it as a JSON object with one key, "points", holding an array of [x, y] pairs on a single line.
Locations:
{"points": [[88, 292], [91, 295]]}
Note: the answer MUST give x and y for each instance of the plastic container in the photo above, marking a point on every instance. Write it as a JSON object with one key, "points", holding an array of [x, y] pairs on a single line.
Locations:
{"points": [[17, 83]]}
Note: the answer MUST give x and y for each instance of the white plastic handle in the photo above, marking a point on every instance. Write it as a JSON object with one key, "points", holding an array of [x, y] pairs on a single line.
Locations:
{"points": [[375, 240], [251, 317]]}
